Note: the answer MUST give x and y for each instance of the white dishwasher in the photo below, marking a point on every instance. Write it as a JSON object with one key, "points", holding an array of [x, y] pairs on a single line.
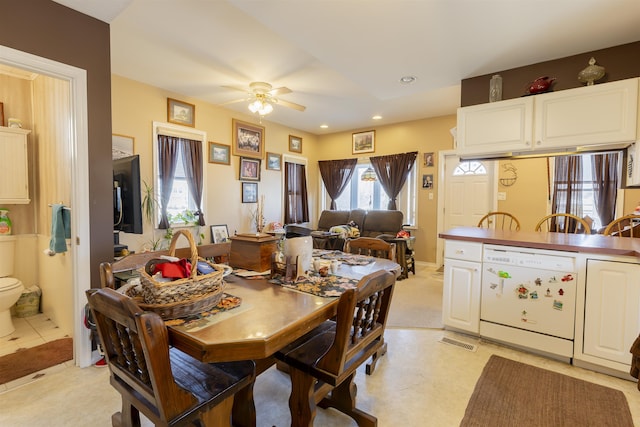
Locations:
{"points": [[529, 298]]}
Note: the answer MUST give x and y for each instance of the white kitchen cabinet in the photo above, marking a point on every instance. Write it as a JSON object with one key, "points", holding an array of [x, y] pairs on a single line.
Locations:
{"points": [[612, 310], [497, 127], [14, 166], [461, 286], [590, 117]]}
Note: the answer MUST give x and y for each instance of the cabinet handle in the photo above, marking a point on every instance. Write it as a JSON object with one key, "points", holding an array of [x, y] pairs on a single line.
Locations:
{"points": [[527, 143], [539, 143], [459, 251]]}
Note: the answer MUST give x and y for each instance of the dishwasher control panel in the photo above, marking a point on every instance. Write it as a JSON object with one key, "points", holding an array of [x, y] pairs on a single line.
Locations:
{"points": [[528, 258]]}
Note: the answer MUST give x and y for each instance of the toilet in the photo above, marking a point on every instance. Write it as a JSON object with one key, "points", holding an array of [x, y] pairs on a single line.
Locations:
{"points": [[10, 287]]}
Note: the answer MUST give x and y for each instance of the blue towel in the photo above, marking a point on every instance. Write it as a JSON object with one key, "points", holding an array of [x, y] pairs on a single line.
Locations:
{"points": [[60, 228]]}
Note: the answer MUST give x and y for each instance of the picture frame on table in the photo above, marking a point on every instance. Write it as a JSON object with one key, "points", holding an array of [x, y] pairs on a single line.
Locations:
{"points": [[219, 233], [181, 113], [249, 169], [274, 161], [364, 142], [122, 146], [219, 153], [295, 144], [248, 139], [249, 192]]}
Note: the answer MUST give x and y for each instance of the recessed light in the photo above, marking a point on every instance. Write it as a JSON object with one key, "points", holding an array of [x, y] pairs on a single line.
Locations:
{"points": [[408, 79], [324, 126], [376, 117]]}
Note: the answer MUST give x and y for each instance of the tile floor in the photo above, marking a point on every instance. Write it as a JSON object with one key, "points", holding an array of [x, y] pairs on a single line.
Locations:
{"points": [[419, 382]]}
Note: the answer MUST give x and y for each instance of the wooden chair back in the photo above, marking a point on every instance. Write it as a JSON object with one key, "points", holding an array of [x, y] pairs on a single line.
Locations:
{"points": [[625, 226], [136, 347], [499, 221], [371, 246], [332, 353], [563, 223]]}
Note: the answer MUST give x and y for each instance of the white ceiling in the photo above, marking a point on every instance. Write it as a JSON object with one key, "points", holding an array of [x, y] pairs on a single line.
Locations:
{"points": [[343, 58]]}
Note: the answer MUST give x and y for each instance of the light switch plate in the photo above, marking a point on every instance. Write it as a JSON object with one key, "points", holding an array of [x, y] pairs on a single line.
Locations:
{"points": [[502, 195]]}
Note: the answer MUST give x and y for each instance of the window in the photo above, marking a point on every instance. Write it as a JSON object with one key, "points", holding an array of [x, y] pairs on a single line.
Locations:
{"points": [[185, 201], [470, 168], [296, 204], [369, 195]]}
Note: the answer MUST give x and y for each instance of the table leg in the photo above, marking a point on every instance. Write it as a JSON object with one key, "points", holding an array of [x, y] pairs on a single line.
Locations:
{"points": [[301, 401]]}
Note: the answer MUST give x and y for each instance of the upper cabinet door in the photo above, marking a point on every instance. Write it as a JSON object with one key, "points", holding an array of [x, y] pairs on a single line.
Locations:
{"points": [[496, 128], [591, 115], [14, 171]]}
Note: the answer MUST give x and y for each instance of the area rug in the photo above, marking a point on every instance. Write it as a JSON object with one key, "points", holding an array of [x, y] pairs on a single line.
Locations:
{"points": [[510, 393], [34, 359], [417, 302]]}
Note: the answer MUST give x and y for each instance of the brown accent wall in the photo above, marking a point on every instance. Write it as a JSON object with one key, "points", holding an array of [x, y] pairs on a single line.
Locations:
{"points": [[50, 30], [620, 62]]}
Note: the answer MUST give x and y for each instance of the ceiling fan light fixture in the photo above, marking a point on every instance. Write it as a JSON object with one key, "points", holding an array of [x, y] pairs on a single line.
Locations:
{"points": [[261, 107]]}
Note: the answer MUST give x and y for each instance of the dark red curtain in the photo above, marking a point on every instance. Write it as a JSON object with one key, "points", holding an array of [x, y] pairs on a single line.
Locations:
{"points": [[605, 185], [567, 187], [392, 171], [167, 159], [192, 160]]}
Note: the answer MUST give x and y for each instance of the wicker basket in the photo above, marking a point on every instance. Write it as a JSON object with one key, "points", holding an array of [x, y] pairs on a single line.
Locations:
{"points": [[183, 297]]}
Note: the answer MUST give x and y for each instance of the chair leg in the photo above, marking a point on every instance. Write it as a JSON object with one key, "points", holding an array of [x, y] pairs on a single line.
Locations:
{"points": [[369, 368], [301, 401], [129, 417], [343, 398], [219, 415]]}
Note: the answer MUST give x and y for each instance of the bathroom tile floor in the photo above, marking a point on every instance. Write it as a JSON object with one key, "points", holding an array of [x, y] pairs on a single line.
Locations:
{"points": [[30, 332]]}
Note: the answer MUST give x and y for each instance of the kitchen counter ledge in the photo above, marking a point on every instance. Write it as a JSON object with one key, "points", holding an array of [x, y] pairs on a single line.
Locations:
{"points": [[581, 243]]}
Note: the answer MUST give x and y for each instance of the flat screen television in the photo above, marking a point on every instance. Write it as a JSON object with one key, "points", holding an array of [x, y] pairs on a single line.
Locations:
{"points": [[127, 206]]}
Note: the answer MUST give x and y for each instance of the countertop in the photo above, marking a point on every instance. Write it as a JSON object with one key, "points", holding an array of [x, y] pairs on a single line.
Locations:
{"points": [[582, 243]]}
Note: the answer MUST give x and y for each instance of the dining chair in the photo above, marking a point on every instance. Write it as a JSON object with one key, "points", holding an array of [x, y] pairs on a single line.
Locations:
{"points": [[563, 223], [326, 359], [168, 386], [625, 226], [499, 221], [371, 246]]}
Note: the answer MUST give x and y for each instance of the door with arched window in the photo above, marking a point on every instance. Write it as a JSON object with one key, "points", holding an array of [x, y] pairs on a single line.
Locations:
{"points": [[469, 191]]}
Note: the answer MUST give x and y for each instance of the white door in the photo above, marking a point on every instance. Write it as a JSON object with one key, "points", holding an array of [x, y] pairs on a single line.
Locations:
{"points": [[468, 192]]}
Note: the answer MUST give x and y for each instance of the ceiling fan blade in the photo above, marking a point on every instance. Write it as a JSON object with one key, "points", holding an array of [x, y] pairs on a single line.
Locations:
{"points": [[279, 91], [291, 105], [235, 101]]}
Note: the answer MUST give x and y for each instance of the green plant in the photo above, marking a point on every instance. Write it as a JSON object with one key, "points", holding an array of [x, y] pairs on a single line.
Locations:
{"points": [[149, 202]]}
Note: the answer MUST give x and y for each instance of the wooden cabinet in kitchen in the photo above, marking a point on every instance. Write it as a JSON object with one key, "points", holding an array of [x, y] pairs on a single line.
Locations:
{"points": [[611, 312], [590, 116], [461, 286], [14, 166]]}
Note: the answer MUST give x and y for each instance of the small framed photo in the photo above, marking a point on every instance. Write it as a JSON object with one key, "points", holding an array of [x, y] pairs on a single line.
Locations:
{"points": [[248, 139], [181, 113], [428, 159], [249, 169], [219, 153], [364, 142], [274, 161], [122, 146], [219, 233], [427, 181], [295, 144], [249, 192]]}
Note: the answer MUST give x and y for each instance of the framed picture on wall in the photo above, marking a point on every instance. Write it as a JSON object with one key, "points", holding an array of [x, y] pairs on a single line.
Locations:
{"points": [[122, 146], [249, 169], [248, 139], [295, 144], [427, 181], [274, 161], [249, 192], [181, 113], [219, 153], [364, 142], [428, 159]]}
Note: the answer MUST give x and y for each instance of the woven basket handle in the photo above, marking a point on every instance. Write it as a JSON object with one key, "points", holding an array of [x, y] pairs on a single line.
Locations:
{"points": [[192, 245]]}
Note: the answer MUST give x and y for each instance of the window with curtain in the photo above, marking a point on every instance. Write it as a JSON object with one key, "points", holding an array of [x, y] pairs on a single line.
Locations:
{"points": [[296, 204], [179, 178], [587, 185], [369, 195]]}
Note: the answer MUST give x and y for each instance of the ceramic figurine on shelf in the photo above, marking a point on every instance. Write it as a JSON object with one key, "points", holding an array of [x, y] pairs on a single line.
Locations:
{"points": [[540, 85]]}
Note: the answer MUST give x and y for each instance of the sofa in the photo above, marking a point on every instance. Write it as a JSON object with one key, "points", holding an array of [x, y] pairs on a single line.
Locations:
{"points": [[369, 223]]}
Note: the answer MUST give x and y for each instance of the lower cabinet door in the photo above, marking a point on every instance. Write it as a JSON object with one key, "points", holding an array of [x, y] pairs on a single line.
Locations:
{"points": [[612, 309], [461, 295]]}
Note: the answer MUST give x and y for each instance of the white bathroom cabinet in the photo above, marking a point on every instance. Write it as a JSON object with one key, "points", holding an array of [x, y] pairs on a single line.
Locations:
{"points": [[14, 166]]}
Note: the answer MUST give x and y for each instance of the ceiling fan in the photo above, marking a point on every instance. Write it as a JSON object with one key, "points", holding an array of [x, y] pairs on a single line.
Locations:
{"points": [[262, 98]]}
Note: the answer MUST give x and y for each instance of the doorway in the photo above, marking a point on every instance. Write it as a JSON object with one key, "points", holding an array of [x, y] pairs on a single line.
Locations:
{"points": [[469, 193], [79, 200]]}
